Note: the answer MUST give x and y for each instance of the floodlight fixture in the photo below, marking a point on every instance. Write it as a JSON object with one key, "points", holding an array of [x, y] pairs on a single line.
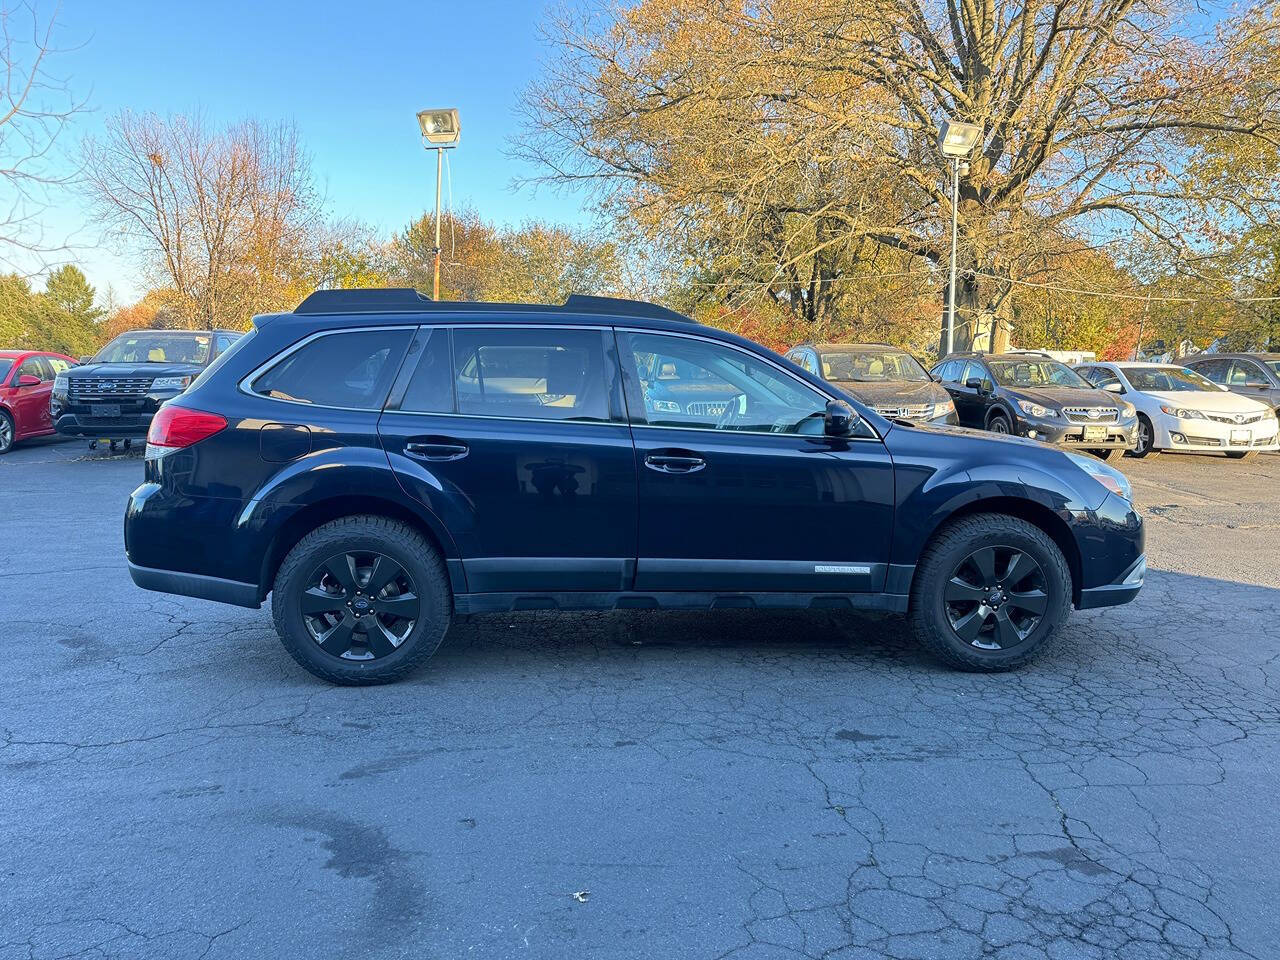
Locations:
{"points": [[440, 127]]}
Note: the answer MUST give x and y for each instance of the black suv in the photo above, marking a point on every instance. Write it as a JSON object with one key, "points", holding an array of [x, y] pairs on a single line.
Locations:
{"points": [[379, 463], [116, 392], [1032, 395]]}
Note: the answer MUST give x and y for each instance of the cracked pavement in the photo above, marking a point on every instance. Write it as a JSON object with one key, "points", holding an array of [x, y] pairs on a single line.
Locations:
{"points": [[730, 784]]}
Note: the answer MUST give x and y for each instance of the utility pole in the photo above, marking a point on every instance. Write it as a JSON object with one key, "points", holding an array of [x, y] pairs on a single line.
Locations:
{"points": [[435, 285], [440, 131]]}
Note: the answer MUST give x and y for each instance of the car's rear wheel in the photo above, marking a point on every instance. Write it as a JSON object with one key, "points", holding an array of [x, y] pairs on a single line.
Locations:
{"points": [[999, 423], [362, 600], [1146, 438], [6, 432], [988, 592]]}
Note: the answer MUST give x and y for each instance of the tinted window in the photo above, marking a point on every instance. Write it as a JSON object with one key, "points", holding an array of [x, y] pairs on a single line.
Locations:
{"points": [[696, 383], [431, 388], [351, 370], [968, 370], [1099, 376], [1215, 370], [542, 373], [1246, 373], [1034, 373], [6, 364], [1167, 379], [945, 371], [871, 365], [224, 341], [35, 367]]}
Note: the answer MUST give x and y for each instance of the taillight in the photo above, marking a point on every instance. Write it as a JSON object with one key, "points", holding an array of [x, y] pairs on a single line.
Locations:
{"points": [[174, 427]]}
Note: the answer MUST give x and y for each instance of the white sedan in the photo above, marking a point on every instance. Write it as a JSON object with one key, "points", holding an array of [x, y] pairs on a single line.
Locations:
{"points": [[1182, 411]]}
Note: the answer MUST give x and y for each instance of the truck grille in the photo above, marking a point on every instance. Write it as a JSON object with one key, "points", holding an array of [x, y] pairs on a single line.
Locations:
{"points": [[1091, 414], [90, 389]]}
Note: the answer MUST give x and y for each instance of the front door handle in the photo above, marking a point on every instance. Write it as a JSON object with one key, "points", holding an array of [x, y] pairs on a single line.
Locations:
{"points": [[672, 463], [436, 448]]}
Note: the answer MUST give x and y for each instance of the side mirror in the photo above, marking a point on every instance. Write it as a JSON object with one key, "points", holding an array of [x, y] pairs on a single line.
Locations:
{"points": [[27, 380], [983, 386], [86, 359], [839, 419], [1114, 387]]}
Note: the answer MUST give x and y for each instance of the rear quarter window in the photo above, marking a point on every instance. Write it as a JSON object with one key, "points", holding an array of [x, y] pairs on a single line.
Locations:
{"points": [[352, 370]]}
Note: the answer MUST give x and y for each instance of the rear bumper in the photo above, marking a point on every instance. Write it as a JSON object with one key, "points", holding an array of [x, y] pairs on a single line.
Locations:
{"points": [[196, 585]]}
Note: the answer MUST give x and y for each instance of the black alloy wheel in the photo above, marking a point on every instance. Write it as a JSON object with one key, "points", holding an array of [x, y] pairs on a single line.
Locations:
{"points": [[999, 423], [359, 605], [996, 598]]}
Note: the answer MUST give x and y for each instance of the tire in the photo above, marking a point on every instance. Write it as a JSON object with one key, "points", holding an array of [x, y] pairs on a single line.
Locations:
{"points": [[374, 654], [1146, 438], [1239, 454], [1102, 454], [7, 432], [999, 423], [947, 562]]}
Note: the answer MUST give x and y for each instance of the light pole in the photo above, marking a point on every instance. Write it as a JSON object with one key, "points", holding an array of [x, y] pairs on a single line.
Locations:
{"points": [[956, 140], [440, 131]]}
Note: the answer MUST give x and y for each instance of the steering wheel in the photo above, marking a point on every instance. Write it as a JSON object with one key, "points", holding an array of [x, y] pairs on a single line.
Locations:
{"points": [[729, 416]]}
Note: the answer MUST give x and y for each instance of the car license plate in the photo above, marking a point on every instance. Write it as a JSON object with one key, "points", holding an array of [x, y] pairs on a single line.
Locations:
{"points": [[1241, 436], [1095, 434], [104, 410]]}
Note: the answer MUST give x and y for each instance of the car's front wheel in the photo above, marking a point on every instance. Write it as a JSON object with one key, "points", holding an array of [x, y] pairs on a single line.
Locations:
{"points": [[988, 592], [361, 600], [6, 432], [999, 423], [1146, 444]]}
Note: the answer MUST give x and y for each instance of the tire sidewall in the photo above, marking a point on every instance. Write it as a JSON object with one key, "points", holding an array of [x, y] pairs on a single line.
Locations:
{"points": [[313, 550], [1006, 532], [999, 416], [12, 432]]}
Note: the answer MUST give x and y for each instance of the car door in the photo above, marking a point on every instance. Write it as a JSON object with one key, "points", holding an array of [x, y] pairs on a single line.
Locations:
{"points": [[971, 405], [1248, 379], [31, 404], [756, 498], [515, 438]]}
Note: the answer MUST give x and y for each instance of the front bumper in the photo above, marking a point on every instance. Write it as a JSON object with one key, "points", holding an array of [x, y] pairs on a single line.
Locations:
{"points": [[1173, 433], [1122, 435], [1125, 589], [133, 420]]}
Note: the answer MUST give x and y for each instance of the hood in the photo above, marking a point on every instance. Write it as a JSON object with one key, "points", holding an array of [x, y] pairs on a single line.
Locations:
{"points": [[903, 392], [1211, 401], [106, 371], [1065, 396]]}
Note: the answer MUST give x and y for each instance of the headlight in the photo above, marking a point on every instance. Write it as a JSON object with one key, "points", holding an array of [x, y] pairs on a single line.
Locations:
{"points": [[1183, 413], [943, 408], [1035, 410], [170, 383], [60, 385], [1127, 410], [665, 406], [1109, 477]]}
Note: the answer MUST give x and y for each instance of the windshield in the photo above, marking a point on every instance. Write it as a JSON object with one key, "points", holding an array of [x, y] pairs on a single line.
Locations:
{"points": [[1035, 373], [1167, 379], [156, 347], [871, 365]]}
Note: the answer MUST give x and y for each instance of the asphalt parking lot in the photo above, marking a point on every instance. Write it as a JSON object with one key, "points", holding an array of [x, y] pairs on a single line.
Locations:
{"points": [[639, 785]]}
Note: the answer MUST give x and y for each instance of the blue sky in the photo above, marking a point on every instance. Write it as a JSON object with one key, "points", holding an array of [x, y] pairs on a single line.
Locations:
{"points": [[350, 74]]}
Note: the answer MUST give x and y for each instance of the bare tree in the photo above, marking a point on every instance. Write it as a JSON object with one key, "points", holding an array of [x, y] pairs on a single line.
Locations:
{"points": [[35, 108], [222, 218], [770, 136]]}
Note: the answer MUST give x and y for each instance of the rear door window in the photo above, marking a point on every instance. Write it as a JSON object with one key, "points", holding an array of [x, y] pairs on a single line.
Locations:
{"points": [[352, 370], [538, 373]]}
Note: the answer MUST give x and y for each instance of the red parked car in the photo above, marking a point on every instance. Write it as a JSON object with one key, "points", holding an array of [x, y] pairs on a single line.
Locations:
{"points": [[26, 381]]}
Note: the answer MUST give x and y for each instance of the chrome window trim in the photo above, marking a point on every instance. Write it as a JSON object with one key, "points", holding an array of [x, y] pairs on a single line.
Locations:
{"points": [[244, 384], [777, 366]]}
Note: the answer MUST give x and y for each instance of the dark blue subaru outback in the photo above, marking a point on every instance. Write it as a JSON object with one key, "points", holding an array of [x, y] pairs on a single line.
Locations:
{"points": [[379, 463]]}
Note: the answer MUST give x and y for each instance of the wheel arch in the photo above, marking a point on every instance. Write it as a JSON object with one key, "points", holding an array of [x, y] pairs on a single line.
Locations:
{"points": [[1034, 513], [1002, 408], [316, 514]]}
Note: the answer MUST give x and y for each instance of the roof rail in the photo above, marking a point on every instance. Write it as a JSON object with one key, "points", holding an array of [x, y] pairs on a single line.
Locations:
{"points": [[408, 300]]}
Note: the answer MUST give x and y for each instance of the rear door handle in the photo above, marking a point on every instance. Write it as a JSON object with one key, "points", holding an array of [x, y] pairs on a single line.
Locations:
{"points": [[436, 448], [670, 463]]}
